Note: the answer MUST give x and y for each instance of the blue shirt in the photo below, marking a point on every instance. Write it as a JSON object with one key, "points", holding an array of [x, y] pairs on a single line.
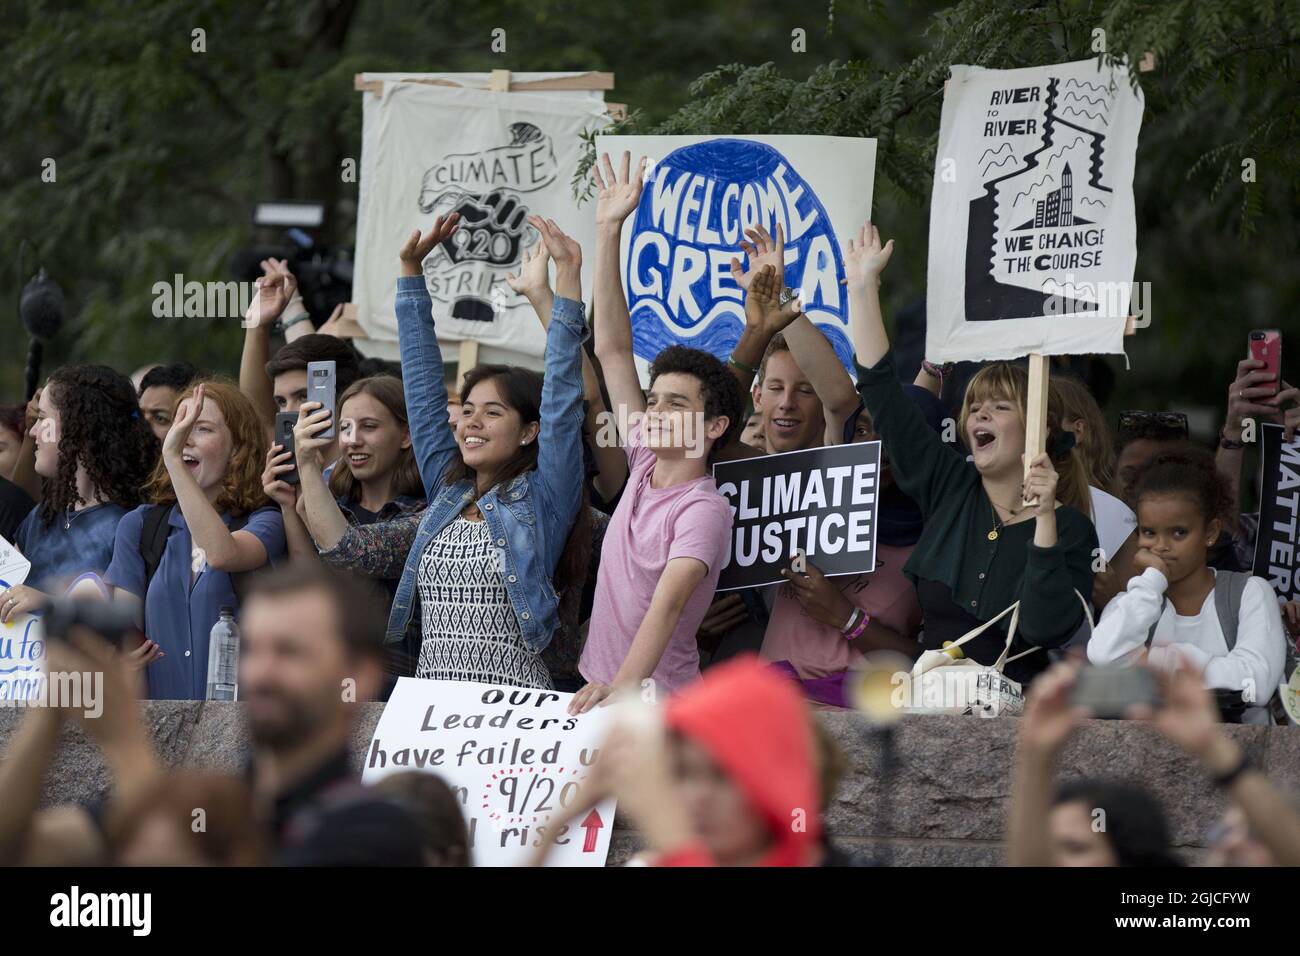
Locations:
{"points": [[73, 544], [177, 616]]}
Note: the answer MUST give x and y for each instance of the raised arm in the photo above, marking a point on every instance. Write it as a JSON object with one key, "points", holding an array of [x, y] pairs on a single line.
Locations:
{"points": [[865, 259], [559, 446], [222, 549], [813, 354], [534, 284], [324, 519], [618, 196], [275, 290], [432, 438], [376, 550], [765, 315]]}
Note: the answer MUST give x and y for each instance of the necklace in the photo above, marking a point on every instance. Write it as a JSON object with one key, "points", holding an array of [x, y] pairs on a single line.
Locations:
{"points": [[998, 525]]}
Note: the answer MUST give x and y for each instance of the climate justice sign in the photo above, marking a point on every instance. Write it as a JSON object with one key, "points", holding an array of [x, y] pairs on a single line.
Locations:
{"points": [[514, 759], [820, 503], [701, 194], [1033, 236]]}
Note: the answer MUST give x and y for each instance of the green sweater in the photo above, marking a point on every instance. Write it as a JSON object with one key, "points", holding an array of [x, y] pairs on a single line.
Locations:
{"points": [[985, 576]]}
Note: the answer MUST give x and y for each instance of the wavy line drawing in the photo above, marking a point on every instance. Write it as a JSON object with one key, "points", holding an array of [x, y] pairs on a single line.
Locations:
{"points": [[1001, 162], [1085, 85], [1052, 157], [1098, 101], [1093, 116], [1092, 202], [995, 152], [1046, 178]]}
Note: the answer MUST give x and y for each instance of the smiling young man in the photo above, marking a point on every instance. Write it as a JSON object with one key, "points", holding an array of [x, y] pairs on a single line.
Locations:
{"points": [[667, 540]]}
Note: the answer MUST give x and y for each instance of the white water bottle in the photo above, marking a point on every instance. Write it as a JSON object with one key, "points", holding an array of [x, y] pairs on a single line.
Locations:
{"points": [[223, 657]]}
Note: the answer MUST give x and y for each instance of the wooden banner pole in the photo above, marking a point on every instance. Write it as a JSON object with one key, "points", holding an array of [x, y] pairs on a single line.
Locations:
{"points": [[1036, 409]]}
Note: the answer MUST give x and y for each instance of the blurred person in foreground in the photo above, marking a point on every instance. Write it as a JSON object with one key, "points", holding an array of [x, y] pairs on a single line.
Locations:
{"points": [[1047, 830], [726, 775], [311, 647]]}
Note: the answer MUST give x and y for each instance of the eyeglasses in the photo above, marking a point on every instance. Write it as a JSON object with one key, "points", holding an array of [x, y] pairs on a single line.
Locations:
{"points": [[1138, 423]]}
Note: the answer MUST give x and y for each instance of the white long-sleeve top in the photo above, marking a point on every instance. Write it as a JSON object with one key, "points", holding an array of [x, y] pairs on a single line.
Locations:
{"points": [[1255, 663]]}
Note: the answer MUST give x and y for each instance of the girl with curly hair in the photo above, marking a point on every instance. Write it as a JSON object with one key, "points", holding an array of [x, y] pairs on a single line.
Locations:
{"points": [[93, 454], [183, 555]]}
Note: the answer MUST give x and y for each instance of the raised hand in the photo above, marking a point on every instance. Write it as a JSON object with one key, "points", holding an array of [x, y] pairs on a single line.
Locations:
{"points": [[1050, 713], [187, 414], [865, 259], [275, 289], [763, 250], [1244, 395], [763, 309], [534, 279], [308, 448], [417, 247], [1040, 485], [619, 194], [567, 255], [277, 489]]}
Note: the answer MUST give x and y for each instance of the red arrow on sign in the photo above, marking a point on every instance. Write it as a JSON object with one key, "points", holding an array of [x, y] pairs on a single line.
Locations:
{"points": [[592, 825]]}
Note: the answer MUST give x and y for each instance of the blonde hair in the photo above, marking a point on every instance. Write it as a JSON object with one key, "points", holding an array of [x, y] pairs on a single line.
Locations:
{"points": [[241, 488], [1096, 449], [1005, 380]]}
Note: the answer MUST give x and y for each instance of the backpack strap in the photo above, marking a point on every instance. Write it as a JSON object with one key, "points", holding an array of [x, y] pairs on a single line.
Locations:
{"points": [[1151, 634], [1228, 589], [153, 540]]}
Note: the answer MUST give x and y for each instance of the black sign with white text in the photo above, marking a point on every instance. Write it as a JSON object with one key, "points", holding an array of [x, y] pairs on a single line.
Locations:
{"points": [[1277, 553], [821, 503]]}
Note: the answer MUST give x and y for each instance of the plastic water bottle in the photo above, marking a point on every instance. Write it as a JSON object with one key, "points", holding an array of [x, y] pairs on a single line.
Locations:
{"points": [[223, 657]]}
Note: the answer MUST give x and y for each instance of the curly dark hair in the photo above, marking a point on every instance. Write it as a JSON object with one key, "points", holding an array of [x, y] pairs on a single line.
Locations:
{"points": [[1187, 470], [718, 387], [100, 428], [14, 418], [1136, 827]]}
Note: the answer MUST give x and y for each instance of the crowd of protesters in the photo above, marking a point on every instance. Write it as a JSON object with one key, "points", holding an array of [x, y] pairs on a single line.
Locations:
{"points": [[494, 533]]}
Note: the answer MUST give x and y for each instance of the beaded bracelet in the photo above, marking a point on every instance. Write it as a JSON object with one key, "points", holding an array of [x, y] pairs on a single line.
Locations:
{"points": [[860, 629]]}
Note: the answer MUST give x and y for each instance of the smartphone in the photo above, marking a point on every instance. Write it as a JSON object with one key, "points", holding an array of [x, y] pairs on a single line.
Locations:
{"points": [[320, 388], [1110, 691], [1266, 347], [284, 422]]}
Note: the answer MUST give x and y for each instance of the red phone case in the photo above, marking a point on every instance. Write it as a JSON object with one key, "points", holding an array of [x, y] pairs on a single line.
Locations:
{"points": [[1269, 351]]}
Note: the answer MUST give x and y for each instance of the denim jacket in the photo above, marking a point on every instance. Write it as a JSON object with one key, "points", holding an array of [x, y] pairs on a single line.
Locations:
{"points": [[530, 518]]}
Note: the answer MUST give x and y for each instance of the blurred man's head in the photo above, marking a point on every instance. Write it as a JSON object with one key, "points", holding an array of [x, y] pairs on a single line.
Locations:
{"points": [[793, 418], [1098, 823], [159, 389], [311, 644], [288, 370]]}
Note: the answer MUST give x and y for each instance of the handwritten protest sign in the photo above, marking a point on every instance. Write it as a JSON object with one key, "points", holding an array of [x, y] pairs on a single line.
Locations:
{"points": [[1277, 545], [513, 757], [14, 568], [22, 658], [701, 193], [821, 502], [494, 158], [1033, 236]]}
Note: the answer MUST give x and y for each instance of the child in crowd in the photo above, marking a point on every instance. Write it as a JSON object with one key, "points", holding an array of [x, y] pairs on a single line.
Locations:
{"points": [[1180, 608], [991, 536], [93, 452], [179, 558], [667, 540], [506, 524]]}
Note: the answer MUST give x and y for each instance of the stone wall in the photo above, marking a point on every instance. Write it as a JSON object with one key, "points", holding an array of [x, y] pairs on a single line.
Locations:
{"points": [[945, 803]]}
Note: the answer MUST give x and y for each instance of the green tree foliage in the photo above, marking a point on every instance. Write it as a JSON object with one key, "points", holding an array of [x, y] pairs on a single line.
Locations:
{"points": [[162, 151]]}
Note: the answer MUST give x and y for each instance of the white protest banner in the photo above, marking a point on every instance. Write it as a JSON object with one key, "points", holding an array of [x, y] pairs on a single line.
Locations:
{"points": [[701, 193], [1277, 542], [1033, 237], [22, 658], [495, 158], [820, 503], [14, 568], [513, 757]]}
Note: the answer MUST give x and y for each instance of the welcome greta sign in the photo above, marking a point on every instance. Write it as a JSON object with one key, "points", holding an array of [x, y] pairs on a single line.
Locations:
{"points": [[701, 193], [1033, 237]]}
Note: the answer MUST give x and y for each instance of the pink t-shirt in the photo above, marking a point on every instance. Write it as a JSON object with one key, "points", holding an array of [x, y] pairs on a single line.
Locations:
{"points": [[819, 650], [649, 528]]}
